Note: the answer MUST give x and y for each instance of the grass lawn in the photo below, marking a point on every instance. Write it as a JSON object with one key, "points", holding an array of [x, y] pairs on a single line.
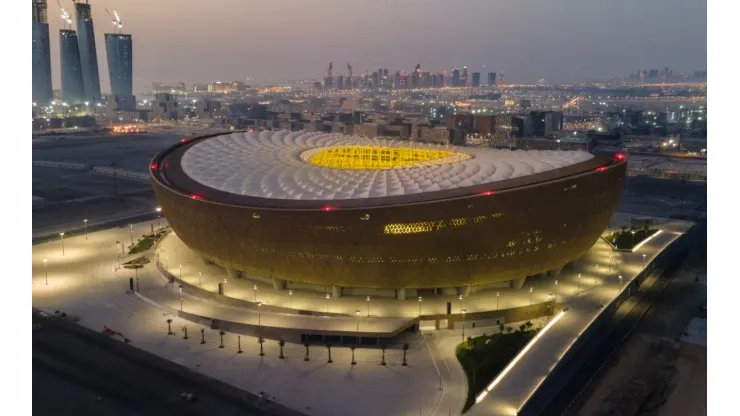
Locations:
{"points": [[143, 245], [624, 240], [485, 356]]}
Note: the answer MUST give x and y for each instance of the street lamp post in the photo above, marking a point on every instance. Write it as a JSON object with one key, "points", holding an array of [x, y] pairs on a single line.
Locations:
{"points": [[367, 299], [643, 260], [420, 305], [290, 299], [579, 284], [357, 319], [593, 278], [159, 210], [327, 303], [620, 280], [460, 298], [46, 273], [259, 313], [200, 279], [498, 295], [531, 289], [255, 293], [61, 236], [85, 220], [463, 324], [556, 291]]}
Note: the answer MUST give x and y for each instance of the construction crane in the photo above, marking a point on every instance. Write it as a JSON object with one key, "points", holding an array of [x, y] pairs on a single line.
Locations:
{"points": [[116, 19], [66, 19]]}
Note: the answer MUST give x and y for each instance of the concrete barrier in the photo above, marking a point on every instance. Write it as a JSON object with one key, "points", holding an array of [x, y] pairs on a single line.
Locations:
{"points": [[62, 165], [123, 173]]}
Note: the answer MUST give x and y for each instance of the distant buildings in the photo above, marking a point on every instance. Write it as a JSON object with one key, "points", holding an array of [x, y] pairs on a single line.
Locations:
{"points": [[491, 79], [40, 54], [475, 80], [455, 77], [88, 52]]}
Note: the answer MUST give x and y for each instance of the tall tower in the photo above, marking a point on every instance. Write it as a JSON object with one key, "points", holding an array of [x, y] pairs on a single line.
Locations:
{"points": [[464, 77], [73, 90], [348, 83], [40, 54], [88, 53], [119, 51]]}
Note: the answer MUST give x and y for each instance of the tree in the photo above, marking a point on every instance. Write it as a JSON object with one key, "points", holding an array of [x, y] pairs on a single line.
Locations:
{"points": [[306, 345], [282, 344], [405, 348], [529, 325], [509, 329], [328, 347], [522, 327]]}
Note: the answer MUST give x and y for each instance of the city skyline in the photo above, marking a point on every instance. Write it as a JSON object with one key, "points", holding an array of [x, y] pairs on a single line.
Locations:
{"points": [[573, 41]]}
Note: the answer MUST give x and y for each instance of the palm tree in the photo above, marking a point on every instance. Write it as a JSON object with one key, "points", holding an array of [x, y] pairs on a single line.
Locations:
{"points": [[405, 348], [353, 356], [282, 344], [382, 359], [261, 341], [328, 347], [306, 345]]}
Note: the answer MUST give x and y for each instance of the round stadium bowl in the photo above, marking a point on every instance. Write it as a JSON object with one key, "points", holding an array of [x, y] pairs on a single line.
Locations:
{"points": [[348, 211]]}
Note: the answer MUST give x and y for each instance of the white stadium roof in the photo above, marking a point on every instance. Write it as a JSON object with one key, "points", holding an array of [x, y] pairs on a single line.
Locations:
{"points": [[274, 164]]}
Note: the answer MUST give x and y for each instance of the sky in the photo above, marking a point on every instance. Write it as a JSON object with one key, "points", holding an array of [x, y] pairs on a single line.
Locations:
{"points": [[274, 41]]}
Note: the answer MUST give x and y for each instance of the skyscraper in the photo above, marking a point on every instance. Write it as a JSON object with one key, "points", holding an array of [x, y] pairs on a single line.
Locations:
{"points": [[73, 90], [40, 54], [475, 80], [88, 53], [491, 79], [456, 77], [464, 77], [119, 51]]}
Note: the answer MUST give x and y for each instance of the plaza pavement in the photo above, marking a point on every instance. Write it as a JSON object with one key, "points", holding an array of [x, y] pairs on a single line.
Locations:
{"points": [[84, 282]]}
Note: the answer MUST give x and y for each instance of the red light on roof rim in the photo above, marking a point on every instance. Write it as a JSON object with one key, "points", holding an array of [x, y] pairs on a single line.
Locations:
{"points": [[601, 168], [154, 166], [184, 140], [620, 156], [486, 193], [328, 208], [194, 196]]}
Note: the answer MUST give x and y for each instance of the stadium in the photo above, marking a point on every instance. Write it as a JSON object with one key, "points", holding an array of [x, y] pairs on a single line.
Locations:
{"points": [[359, 216]]}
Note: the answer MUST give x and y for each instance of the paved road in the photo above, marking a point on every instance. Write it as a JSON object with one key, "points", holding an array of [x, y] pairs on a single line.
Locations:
{"points": [[78, 370]]}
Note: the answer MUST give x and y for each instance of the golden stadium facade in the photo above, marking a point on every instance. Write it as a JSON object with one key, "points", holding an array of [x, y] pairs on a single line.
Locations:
{"points": [[321, 209]]}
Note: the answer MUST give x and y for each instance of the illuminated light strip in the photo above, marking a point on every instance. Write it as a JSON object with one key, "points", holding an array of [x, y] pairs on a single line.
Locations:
{"points": [[519, 356], [637, 247]]}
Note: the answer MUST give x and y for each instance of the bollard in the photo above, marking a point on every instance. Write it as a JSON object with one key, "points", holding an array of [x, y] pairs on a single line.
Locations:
{"points": [[169, 327], [239, 344], [202, 336], [185, 330], [221, 333]]}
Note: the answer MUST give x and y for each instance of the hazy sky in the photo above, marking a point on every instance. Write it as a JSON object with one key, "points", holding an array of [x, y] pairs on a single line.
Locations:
{"points": [[271, 41]]}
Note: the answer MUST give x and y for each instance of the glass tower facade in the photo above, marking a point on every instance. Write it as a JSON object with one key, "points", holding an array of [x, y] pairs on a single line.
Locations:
{"points": [[88, 53], [41, 55], [119, 51], [73, 90]]}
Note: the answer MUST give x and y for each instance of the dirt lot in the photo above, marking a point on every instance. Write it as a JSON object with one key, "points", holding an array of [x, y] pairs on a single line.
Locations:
{"points": [[653, 376]]}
